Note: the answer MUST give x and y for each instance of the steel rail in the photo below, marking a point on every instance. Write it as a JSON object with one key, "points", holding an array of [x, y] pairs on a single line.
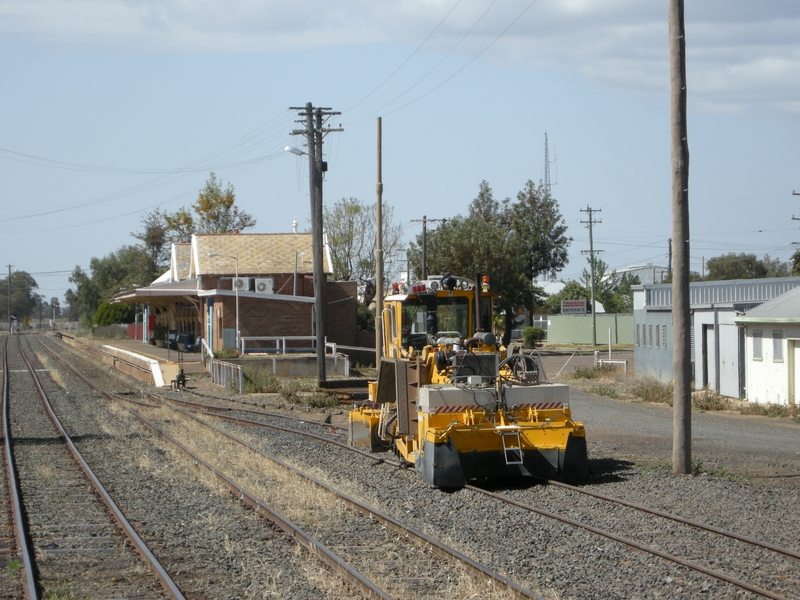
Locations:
{"points": [[439, 548], [666, 556], [326, 555], [597, 531], [127, 529], [710, 528], [23, 539], [617, 538]]}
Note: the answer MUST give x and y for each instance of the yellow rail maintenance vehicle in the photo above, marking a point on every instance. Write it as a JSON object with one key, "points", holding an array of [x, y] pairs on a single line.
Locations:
{"points": [[454, 403]]}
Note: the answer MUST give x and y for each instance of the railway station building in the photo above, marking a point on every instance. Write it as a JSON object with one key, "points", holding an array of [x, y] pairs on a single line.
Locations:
{"points": [[262, 282], [718, 344]]}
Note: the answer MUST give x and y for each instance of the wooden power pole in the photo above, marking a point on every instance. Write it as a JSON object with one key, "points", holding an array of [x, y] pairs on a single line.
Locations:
{"points": [[681, 315]]}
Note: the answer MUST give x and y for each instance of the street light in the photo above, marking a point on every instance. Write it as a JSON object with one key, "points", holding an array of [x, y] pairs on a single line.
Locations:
{"points": [[235, 289]]}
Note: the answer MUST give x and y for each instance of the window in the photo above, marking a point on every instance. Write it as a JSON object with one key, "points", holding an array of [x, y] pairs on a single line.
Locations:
{"points": [[637, 334], [658, 338], [757, 345], [777, 346], [651, 336], [664, 337]]}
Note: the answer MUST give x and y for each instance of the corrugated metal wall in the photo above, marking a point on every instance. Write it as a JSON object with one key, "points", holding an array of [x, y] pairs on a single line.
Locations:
{"points": [[577, 329]]}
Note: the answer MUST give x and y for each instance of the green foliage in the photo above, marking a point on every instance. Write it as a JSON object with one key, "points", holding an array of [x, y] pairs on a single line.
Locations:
{"points": [[111, 314], [366, 317], [13, 567], [745, 266], [351, 227], [512, 243], [614, 293], [223, 352], [214, 212], [293, 388], [531, 336], [261, 382], [603, 390], [124, 269], [154, 242], [322, 401], [24, 301], [571, 291]]}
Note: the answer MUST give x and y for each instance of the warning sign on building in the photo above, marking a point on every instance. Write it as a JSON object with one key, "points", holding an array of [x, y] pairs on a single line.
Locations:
{"points": [[573, 307]]}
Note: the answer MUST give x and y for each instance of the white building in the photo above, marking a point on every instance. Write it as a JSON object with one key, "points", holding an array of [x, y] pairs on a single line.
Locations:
{"points": [[772, 349]]}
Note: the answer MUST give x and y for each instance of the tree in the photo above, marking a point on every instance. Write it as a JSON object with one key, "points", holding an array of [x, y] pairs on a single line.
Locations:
{"points": [[735, 266], [154, 241], [214, 211], [571, 291], [24, 301], [112, 314], [485, 242], [350, 226], [541, 231], [123, 269]]}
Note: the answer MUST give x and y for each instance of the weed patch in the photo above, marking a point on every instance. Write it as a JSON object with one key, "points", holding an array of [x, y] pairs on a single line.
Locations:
{"points": [[768, 410], [650, 389], [293, 389], [261, 382], [594, 372], [710, 401], [603, 390]]}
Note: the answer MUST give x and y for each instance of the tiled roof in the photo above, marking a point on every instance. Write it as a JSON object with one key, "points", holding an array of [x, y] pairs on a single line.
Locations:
{"points": [[259, 253]]}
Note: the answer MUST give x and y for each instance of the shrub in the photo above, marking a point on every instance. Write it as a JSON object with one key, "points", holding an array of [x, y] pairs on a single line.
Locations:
{"points": [[261, 382], [531, 336], [322, 401], [765, 410], [292, 389], [650, 389], [111, 314], [603, 390], [226, 352], [710, 401], [593, 372]]}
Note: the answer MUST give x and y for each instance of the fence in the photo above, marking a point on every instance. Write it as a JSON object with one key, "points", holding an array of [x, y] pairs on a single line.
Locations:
{"points": [[281, 346], [222, 373], [226, 374]]}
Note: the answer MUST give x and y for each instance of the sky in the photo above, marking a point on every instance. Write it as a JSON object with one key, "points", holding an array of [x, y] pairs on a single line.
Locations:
{"points": [[112, 108]]}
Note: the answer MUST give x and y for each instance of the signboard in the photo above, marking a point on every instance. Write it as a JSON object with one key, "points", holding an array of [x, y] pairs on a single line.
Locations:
{"points": [[573, 307]]}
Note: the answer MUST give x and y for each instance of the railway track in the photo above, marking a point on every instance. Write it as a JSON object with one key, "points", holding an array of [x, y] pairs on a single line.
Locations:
{"points": [[77, 537], [745, 566], [357, 540]]}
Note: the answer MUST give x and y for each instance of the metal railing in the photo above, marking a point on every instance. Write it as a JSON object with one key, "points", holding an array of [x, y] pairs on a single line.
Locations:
{"points": [[228, 375], [281, 347]]}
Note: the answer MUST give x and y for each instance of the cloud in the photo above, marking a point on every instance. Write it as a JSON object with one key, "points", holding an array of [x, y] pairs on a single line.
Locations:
{"points": [[742, 56]]}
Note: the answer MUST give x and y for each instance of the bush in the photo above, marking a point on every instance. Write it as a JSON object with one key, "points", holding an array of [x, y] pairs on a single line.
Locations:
{"points": [[593, 372], [292, 389], [531, 336], [261, 382], [111, 314], [226, 352], [650, 389], [708, 400], [322, 401]]}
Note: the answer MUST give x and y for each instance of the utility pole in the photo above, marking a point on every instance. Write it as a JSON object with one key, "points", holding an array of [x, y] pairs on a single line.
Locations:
{"points": [[379, 252], [592, 221], [9, 298], [669, 259], [425, 220], [681, 306], [314, 132]]}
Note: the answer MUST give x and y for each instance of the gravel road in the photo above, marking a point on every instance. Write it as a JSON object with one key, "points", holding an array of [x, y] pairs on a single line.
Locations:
{"points": [[757, 447]]}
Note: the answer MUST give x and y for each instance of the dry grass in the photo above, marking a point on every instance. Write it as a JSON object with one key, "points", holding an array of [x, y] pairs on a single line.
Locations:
{"points": [[311, 507]]}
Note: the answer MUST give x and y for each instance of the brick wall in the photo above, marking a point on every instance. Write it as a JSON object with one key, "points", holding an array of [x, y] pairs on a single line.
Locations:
{"points": [[270, 317]]}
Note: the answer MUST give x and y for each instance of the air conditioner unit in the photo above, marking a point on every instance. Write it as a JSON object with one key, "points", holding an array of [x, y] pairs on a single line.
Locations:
{"points": [[241, 283], [265, 285]]}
